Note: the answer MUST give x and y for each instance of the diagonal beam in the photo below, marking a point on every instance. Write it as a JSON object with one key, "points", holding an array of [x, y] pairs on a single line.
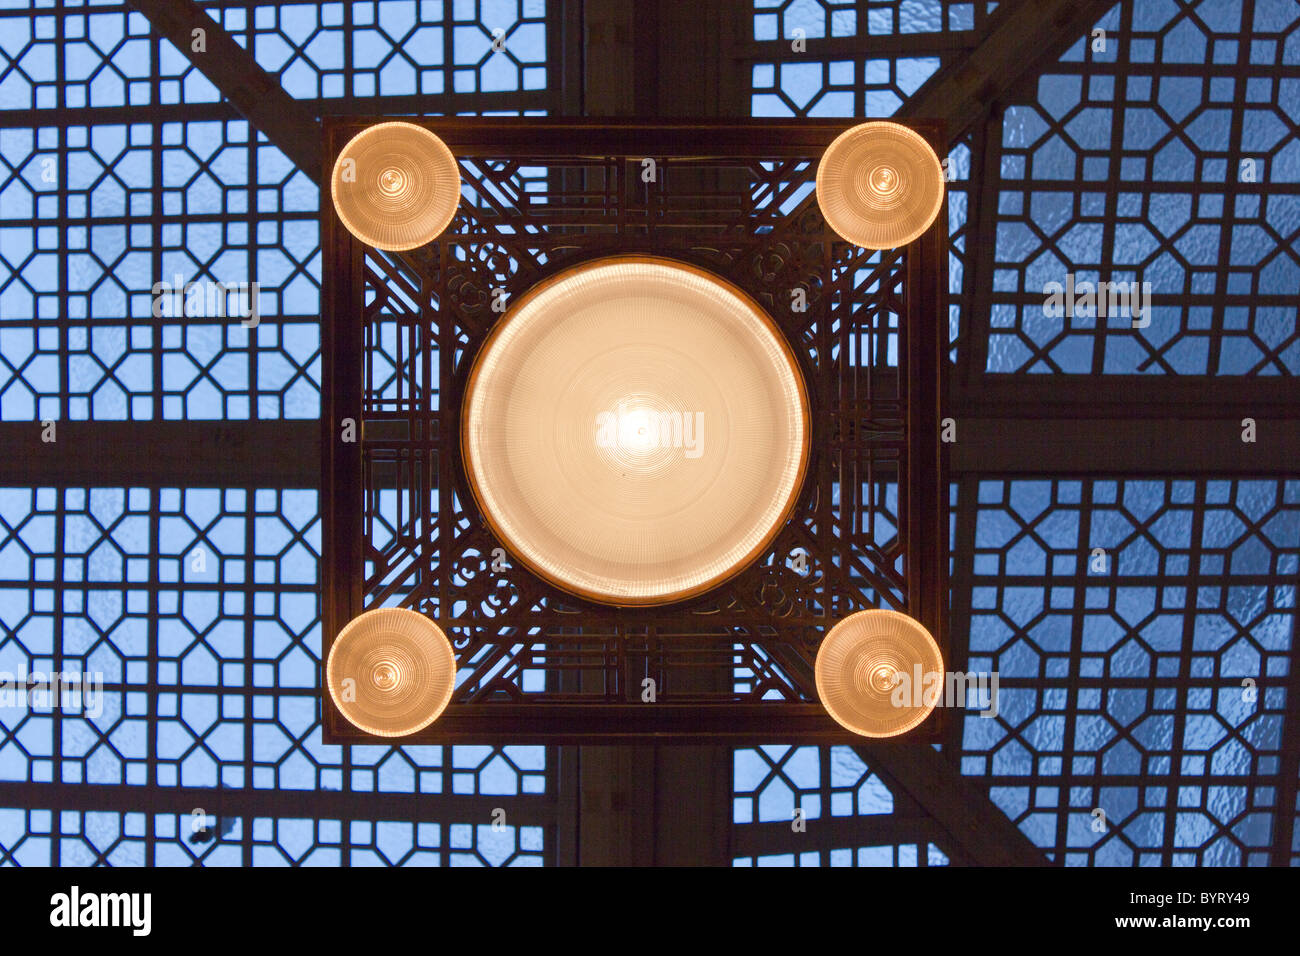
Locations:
{"points": [[1021, 42], [976, 829], [232, 70], [1024, 37], [1284, 823], [255, 93], [974, 825]]}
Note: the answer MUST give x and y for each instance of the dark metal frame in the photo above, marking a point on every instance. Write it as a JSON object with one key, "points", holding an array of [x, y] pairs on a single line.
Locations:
{"points": [[714, 204]]}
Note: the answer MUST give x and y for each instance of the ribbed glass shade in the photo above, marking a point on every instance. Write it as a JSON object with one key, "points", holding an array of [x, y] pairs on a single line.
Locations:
{"points": [[395, 186], [391, 671], [871, 672], [635, 430], [879, 185]]}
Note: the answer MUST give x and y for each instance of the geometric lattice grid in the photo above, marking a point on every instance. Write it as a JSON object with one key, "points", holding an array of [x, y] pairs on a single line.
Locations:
{"points": [[199, 609], [1169, 157], [210, 201], [878, 19], [103, 55], [837, 797], [122, 167], [529, 654], [1147, 679], [910, 40], [116, 838], [1122, 163]]}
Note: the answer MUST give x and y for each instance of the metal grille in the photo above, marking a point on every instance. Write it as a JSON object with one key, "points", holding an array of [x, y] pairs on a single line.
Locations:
{"points": [[199, 611], [830, 792], [121, 165], [1164, 151], [1143, 633]]}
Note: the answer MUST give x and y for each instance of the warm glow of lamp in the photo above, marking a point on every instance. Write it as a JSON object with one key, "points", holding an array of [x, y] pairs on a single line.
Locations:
{"points": [[395, 186], [391, 671], [880, 185], [635, 430], [873, 673]]}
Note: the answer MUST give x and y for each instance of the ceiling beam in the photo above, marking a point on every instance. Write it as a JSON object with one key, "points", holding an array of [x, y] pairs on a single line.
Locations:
{"points": [[254, 454], [1125, 446], [1023, 39], [523, 809], [825, 832], [1156, 397], [650, 804], [748, 50], [258, 96], [286, 454], [977, 831]]}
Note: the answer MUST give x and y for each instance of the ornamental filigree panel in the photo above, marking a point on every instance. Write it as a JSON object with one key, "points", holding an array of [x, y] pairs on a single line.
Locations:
{"points": [[402, 529]]}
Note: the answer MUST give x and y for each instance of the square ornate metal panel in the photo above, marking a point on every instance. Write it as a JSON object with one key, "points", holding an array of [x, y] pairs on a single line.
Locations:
{"points": [[400, 525]]}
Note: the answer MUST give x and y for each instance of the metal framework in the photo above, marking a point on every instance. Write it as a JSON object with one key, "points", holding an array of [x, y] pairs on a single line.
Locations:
{"points": [[403, 529]]}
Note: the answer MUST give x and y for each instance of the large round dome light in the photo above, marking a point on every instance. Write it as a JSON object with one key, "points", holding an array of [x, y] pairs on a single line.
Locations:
{"points": [[635, 430]]}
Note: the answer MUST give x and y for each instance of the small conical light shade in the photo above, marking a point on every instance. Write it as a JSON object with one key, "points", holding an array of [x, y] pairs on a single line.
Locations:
{"points": [[879, 185], [868, 677], [395, 186], [635, 430], [391, 671]]}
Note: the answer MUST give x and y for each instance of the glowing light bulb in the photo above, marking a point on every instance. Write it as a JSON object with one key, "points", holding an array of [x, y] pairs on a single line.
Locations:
{"points": [[875, 670], [395, 186], [635, 430], [391, 671], [880, 185]]}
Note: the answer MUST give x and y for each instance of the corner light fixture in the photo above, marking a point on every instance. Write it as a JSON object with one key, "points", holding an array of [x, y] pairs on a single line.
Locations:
{"points": [[395, 186], [635, 430], [880, 185], [870, 670], [391, 671]]}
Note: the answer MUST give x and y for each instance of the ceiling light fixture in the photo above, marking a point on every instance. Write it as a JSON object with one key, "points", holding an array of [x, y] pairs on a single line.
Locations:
{"points": [[395, 186], [391, 671], [635, 430], [871, 669], [880, 185], [617, 452]]}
